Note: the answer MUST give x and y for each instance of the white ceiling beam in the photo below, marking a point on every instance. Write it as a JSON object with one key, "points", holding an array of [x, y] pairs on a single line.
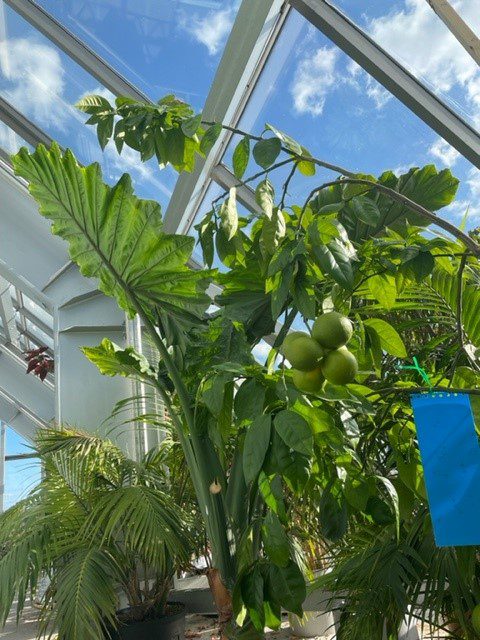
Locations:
{"points": [[460, 29], [251, 40]]}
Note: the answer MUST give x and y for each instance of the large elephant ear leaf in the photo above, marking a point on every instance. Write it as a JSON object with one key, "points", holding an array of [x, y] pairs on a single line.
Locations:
{"points": [[115, 236]]}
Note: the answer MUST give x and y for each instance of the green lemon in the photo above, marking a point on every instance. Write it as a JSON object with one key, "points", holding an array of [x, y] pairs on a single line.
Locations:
{"points": [[292, 336], [303, 352], [308, 381], [332, 330], [340, 366]]}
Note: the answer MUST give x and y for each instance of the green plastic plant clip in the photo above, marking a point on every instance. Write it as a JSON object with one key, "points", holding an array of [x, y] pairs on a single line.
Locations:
{"points": [[419, 369]]}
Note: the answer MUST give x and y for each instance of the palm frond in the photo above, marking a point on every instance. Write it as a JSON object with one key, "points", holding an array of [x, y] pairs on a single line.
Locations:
{"points": [[82, 601]]}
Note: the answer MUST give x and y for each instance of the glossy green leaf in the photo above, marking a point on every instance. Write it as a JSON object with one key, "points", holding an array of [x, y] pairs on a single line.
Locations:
{"points": [[275, 540], [252, 595], [289, 585], [241, 156], [210, 137], [291, 144], [266, 151], [366, 210], [249, 399], [294, 431], [333, 260], [383, 288], [390, 340], [256, 444], [271, 489], [420, 266], [190, 126], [333, 513]]}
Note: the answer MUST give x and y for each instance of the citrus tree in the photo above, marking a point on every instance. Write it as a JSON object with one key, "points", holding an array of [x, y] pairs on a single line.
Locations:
{"points": [[354, 260]]}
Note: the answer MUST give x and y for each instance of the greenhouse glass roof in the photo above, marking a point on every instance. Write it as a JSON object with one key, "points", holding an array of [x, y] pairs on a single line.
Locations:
{"points": [[348, 77]]}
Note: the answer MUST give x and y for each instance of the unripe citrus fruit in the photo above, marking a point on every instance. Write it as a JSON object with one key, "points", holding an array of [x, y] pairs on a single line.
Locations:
{"points": [[476, 619], [303, 352], [308, 381], [332, 330], [340, 366], [293, 335]]}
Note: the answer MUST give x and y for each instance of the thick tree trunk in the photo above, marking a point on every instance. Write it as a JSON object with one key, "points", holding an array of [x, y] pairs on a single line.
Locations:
{"points": [[222, 598]]}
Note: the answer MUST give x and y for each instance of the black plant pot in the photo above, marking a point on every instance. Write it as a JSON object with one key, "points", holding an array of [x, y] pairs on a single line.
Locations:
{"points": [[170, 626]]}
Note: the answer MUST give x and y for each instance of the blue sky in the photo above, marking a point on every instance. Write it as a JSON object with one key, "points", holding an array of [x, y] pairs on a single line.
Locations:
{"points": [[309, 88], [20, 475]]}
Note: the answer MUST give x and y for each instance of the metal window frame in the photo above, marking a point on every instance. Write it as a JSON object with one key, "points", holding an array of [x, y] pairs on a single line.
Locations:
{"points": [[7, 314], [253, 36], [76, 49], [457, 25], [392, 75]]}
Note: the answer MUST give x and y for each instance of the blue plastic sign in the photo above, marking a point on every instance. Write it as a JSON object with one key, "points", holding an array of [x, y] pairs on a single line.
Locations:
{"points": [[450, 453]]}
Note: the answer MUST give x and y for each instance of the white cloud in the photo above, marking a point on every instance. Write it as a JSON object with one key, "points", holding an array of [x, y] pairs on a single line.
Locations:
{"points": [[419, 39], [210, 30], [444, 152], [314, 78], [473, 181], [36, 79], [378, 93], [469, 204]]}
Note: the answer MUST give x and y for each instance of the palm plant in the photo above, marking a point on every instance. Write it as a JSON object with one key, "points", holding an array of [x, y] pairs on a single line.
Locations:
{"points": [[99, 526]]}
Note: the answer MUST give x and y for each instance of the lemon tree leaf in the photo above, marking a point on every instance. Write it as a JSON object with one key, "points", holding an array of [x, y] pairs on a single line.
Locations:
{"points": [[256, 445], [294, 431], [383, 288], [390, 340]]}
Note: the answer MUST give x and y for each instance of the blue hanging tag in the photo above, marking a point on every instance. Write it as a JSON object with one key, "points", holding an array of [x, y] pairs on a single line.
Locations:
{"points": [[450, 453]]}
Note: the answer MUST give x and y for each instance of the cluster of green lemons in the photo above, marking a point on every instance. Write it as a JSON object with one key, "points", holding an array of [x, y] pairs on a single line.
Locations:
{"points": [[323, 355]]}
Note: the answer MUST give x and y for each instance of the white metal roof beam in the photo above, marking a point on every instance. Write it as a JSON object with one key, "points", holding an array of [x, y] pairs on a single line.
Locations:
{"points": [[251, 40], [460, 29], [7, 313], [75, 48], [22, 125], [386, 70]]}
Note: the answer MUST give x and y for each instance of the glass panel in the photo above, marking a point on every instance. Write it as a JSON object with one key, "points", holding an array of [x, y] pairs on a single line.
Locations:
{"points": [[411, 32], [9, 140], [40, 313], [44, 84], [311, 90], [20, 475], [38, 334], [161, 46]]}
